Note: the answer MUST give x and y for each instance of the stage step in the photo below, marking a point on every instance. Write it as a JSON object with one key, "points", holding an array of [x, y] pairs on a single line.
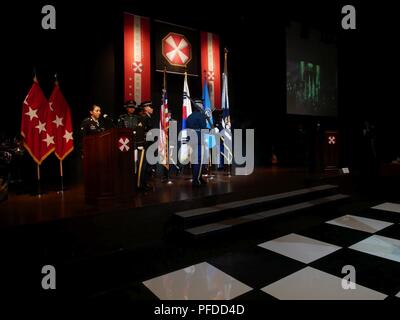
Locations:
{"points": [[190, 218], [259, 216]]}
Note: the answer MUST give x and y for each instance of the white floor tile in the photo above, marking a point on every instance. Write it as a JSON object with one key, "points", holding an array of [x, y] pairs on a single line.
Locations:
{"points": [[300, 248], [360, 223], [198, 282], [313, 284], [388, 206], [380, 246]]}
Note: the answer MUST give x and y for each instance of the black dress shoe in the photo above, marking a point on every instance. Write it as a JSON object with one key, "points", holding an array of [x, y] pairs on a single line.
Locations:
{"points": [[145, 188], [202, 181], [196, 183]]}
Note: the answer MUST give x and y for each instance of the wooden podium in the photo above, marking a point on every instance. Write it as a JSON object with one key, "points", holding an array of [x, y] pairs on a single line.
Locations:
{"points": [[108, 164], [331, 150]]}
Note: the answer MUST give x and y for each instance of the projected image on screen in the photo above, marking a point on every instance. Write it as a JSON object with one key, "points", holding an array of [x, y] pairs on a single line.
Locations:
{"points": [[311, 76]]}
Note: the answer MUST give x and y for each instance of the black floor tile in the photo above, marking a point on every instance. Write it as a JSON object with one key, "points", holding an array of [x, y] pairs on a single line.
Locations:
{"points": [[256, 267], [340, 236], [388, 216], [373, 272], [133, 292], [255, 295], [392, 231]]}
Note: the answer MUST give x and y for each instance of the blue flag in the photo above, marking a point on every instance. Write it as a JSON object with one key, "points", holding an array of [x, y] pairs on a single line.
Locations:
{"points": [[226, 119], [226, 148], [207, 103], [207, 110]]}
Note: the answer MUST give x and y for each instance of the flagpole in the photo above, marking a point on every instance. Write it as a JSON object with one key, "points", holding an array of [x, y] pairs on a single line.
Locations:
{"points": [[208, 164], [62, 177], [226, 61], [166, 135], [226, 76], [61, 162], [165, 167], [39, 192], [39, 189]]}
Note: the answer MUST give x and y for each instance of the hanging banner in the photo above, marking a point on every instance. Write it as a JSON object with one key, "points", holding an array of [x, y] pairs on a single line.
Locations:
{"points": [[176, 48], [210, 66], [136, 58]]}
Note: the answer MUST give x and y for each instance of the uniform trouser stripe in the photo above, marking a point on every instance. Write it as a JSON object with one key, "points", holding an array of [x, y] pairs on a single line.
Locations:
{"points": [[135, 156], [140, 167]]}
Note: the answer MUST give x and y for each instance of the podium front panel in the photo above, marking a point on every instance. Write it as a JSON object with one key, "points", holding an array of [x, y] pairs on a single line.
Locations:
{"points": [[109, 165], [331, 150]]}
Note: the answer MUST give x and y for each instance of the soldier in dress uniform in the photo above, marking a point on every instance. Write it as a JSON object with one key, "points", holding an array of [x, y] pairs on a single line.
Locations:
{"points": [[145, 112], [134, 119], [92, 124], [197, 121], [143, 127], [130, 118]]}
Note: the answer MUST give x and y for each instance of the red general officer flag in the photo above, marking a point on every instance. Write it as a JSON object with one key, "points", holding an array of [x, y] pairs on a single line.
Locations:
{"points": [[36, 128], [62, 123]]}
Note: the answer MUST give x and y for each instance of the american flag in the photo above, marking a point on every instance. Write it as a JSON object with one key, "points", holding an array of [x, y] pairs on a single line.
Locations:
{"points": [[164, 119]]}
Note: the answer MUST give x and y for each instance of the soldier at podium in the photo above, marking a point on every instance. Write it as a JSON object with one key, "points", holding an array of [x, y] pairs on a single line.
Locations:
{"points": [[92, 124]]}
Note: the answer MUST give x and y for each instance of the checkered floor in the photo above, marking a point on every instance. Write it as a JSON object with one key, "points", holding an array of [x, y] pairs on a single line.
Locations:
{"points": [[302, 266]]}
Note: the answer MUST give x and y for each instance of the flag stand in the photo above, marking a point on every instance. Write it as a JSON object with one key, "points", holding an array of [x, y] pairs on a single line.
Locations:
{"points": [[62, 178], [166, 176], [171, 160], [210, 165], [189, 164], [229, 170], [39, 185]]}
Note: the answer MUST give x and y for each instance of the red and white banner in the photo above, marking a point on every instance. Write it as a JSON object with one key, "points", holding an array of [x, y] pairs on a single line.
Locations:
{"points": [[36, 124], [62, 123], [210, 66], [136, 58]]}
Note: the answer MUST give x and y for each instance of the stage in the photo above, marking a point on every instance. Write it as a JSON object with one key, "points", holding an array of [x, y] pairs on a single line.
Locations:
{"points": [[81, 102], [27, 209], [63, 226], [108, 251]]}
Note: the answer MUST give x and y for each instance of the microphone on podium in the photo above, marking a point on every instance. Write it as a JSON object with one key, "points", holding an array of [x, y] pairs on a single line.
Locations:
{"points": [[108, 121]]}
